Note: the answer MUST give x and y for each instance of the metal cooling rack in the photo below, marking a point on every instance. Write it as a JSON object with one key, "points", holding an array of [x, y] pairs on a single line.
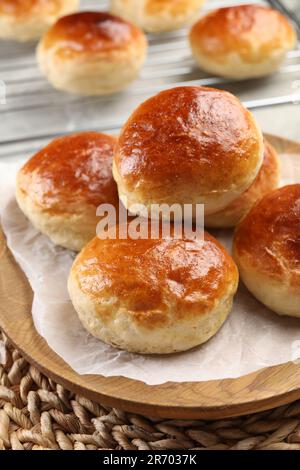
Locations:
{"points": [[34, 112]]}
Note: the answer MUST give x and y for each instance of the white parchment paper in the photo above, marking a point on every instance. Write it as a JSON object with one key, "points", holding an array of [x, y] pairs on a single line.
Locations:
{"points": [[251, 338]]}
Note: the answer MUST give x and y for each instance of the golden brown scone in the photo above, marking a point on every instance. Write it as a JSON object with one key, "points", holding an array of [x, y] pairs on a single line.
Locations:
{"points": [[188, 145], [60, 188], [266, 180], [153, 296], [26, 20], [92, 53], [155, 16], [267, 250], [242, 41]]}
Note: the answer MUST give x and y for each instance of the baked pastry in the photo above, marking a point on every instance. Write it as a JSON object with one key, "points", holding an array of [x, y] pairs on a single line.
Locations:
{"points": [[153, 296], [267, 250], [155, 16], [266, 180], [92, 53], [60, 188], [26, 20], [242, 41], [187, 145]]}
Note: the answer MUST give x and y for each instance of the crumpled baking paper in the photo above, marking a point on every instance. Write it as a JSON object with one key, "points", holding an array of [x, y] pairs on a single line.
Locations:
{"points": [[251, 338]]}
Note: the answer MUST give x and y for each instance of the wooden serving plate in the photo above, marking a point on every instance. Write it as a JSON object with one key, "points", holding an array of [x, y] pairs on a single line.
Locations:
{"points": [[264, 389]]}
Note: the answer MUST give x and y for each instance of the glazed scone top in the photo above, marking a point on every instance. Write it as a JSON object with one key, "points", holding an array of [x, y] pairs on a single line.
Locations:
{"points": [[91, 33], [269, 237], [74, 169], [21, 8], [252, 31], [148, 276], [189, 136], [171, 7]]}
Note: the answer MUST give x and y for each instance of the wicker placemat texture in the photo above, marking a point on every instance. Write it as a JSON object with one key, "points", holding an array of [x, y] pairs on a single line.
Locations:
{"points": [[38, 414]]}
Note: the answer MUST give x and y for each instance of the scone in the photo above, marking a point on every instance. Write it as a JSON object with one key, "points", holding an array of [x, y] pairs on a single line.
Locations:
{"points": [[92, 53], [187, 145], [153, 296], [242, 41], [155, 16], [26, 20], [267, 250], [60, 188], [267, 179]]}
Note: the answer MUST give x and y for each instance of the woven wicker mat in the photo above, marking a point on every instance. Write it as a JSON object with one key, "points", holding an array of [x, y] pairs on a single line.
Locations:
{"points": [[38, 414]]}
